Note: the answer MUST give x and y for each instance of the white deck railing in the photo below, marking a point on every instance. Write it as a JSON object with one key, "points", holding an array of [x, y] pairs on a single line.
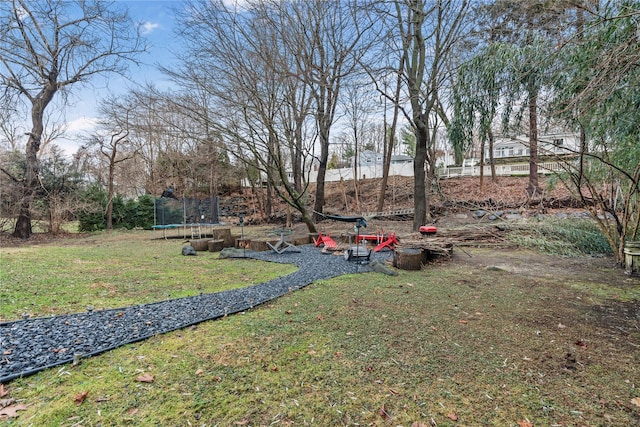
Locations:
{"points": [[516, 169], [406, 169]]}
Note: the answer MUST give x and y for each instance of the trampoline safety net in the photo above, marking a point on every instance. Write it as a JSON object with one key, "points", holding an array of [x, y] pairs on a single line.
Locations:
{"points": [[170, 211]]}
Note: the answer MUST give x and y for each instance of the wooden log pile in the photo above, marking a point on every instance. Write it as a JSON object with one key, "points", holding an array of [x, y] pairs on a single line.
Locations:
{"points": [[416, 249], [470, 235]]}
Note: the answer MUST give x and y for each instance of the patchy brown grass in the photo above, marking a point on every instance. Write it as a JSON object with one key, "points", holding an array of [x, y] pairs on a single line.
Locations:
{"points": [[490, 337]]}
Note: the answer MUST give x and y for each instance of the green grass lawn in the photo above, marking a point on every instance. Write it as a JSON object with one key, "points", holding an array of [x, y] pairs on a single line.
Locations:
{"points": [[454, 344], [114, 270]]}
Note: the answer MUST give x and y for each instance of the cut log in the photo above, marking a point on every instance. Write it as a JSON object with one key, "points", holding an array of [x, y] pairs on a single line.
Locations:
{"points": [[223, 234], [200, 244], [302, 240], [408, 259], [243, 243], [216, 245], [260, 245]]}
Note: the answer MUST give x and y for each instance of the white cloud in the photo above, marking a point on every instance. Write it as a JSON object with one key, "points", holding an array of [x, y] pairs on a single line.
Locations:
{"points": [[147, 27], [75, 132], [236, 4], [82, 124]]}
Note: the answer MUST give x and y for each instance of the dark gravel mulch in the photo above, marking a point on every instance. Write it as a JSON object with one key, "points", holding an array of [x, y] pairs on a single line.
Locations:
{"points": [[31, 345]]}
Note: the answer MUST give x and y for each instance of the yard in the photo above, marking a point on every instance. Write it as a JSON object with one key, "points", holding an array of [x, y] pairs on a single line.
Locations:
{"points": [[492, 336]]}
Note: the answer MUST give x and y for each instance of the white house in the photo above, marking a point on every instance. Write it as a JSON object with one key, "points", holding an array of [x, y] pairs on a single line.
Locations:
{"points": [[369, 158], [548, 144]]}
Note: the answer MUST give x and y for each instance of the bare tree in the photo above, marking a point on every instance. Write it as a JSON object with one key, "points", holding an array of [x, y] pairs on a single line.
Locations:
{"points": [[429, 31], [389, 141], [269, 69], [11, 130], [329, 39], [46, 47], [357, 108], [112, 142]]}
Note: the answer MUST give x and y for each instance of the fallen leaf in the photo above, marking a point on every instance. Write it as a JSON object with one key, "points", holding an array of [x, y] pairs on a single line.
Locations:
{"points": [[132, 411], [241, 423], [145, 378], [200, 372], [80, 397], [288, 312], [7, 352], [383, 412], [6, 402], [12, 411], [418, 424], [463, 322], [393, 391], [581, 344], [636, 401], [525, 423], [3, 391], [452, 416]]}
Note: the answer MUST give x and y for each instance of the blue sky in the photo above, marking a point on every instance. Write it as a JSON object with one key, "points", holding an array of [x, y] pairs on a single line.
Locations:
{"points": [[157, 20]]}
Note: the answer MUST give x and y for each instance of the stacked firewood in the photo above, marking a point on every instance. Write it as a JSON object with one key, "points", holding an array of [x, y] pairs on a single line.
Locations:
{"points": [[444, 239]]}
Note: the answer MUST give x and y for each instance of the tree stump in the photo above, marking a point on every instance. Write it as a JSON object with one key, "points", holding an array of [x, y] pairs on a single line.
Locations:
{"points": [[200, 244], [408, 259], [216, 245], [243, 243], [302, 240], [260, 245], [223, 234]]}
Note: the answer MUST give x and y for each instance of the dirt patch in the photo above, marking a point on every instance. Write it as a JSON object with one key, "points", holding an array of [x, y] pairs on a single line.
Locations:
{"points": [[7, 240], [576, 284]]}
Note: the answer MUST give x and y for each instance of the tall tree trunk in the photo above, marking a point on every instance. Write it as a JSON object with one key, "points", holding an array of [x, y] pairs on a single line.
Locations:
{"points": [[355, 175], [431, 171], [110, 196], [268, 203], [297, 160], [533, 188], [23, 228], [322, 172], [481, 164], [390, 138], [419, 188], [491, 160]]}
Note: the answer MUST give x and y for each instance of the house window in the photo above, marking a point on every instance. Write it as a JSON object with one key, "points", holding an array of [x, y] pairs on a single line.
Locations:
{"points": [[558, 142], [519, 152], [510, 151]]}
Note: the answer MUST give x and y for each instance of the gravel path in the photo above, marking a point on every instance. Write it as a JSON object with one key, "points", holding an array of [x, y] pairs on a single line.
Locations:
{"points": [[31, 345]]}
